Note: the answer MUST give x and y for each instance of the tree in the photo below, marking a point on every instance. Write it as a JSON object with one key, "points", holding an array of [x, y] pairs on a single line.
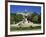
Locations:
{"points": [[35, 19], [18, 18], [39, 18]]}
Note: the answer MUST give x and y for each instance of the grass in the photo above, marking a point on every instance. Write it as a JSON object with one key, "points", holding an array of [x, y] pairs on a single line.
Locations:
{"points": [[24, 28]]}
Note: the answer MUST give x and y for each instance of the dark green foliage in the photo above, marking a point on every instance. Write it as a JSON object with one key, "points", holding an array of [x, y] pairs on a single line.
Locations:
{"points": [[15, 18], [39, 19], [18, 18], [12, 16], [30, 18], [35, 18]]}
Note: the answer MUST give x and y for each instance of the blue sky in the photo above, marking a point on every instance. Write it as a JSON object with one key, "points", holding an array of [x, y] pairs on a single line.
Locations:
{"points": [[19, 8]]}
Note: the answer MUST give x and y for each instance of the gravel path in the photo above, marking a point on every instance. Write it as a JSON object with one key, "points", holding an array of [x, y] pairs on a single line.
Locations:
{"points": [[25, 24]]}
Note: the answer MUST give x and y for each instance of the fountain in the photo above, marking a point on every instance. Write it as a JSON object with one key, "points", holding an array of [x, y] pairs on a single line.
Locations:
{"points": [[25, 17], [24, 14]]}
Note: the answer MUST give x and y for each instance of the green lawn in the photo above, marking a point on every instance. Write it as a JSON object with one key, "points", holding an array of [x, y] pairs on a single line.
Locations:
{"points": [[24, 28]]}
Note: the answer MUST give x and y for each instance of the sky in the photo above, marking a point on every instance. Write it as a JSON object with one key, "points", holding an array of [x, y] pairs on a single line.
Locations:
{"points": [[19, 8]]}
